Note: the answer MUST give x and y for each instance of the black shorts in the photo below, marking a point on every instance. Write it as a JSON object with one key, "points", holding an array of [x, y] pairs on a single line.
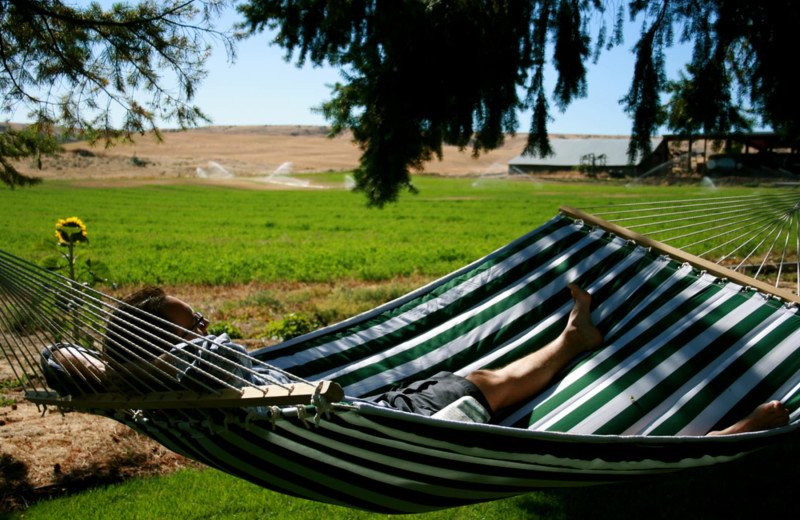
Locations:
{"points": [[428, 396]]}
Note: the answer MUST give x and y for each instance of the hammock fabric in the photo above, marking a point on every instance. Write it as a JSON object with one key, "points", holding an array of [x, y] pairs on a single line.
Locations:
{"points": [[685, 352]]}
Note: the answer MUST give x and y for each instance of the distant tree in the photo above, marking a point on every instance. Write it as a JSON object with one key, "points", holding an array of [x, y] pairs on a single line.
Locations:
{"points": [[73, 68], [421, 73], [695, 108], [737, 77], [19, 144]]}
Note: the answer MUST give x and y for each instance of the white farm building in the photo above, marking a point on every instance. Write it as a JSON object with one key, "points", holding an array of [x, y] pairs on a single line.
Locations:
{"points": [[591, 155]]}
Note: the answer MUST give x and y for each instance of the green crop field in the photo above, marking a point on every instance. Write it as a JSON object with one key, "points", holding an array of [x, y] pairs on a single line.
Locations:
{"points": [[207, 234]]}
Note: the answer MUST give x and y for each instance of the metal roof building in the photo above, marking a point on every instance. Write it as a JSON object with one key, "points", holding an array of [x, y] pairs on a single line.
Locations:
{"points": [[606, 154]]}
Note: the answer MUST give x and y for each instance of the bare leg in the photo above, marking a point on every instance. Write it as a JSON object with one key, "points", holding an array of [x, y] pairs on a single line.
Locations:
{"points": [[765, 417], [529, 375]]}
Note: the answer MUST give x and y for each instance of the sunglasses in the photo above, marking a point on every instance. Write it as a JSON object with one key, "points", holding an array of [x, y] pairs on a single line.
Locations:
{"points": [[198, 319]]}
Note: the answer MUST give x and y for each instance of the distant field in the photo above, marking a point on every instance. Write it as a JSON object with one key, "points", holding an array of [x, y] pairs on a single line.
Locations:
{"points": [[203, 233], [246, 151]]}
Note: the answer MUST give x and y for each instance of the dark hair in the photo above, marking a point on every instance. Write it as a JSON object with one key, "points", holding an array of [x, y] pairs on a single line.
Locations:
{"points": [[139, 328]]}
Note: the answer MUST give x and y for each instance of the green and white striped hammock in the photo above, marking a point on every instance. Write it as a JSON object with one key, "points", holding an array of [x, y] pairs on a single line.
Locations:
{"points": [[686, 351]]}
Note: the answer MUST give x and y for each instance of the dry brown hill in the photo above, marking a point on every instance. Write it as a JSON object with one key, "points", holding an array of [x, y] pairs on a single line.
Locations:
{"points": [[247, 151]]}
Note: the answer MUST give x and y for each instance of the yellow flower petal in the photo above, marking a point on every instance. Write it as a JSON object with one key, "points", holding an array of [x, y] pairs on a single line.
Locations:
{"points": [[76, 233]]}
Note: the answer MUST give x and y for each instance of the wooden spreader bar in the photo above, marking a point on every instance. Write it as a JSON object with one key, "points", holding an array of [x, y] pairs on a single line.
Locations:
{"points": [[269, 395]]}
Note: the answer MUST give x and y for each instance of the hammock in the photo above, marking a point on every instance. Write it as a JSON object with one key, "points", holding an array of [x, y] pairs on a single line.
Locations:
{"points": [[686, 351]]}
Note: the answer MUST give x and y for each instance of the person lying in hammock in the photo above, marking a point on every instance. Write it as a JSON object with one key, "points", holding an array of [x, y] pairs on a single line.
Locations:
{"points": [[493, 389], [144, 351]]}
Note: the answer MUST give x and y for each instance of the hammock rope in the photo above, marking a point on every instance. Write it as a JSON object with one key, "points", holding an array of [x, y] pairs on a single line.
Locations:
{"points": [[49, 309], [689, 346], [747, 227]]}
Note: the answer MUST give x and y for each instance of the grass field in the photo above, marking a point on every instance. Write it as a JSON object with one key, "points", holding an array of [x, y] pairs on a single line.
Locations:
{"points": [[204, 234], [207, 234]]}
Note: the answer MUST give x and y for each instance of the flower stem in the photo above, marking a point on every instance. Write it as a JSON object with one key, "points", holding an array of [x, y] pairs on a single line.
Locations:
{"points": [[71, 260]]}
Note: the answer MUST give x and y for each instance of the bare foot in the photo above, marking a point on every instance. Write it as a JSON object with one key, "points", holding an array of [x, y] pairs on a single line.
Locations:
{"points": [[765, 417], [580, 329]]}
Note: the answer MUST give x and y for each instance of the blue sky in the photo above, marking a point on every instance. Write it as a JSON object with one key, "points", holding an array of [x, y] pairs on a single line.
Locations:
{"points": [[260, 88]]}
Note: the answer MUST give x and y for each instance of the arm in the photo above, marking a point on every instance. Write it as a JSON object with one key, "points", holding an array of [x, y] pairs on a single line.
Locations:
{"points": [[113, 377]]}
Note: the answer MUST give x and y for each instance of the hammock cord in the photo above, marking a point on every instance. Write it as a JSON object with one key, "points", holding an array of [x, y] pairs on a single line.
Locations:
{"points": [[42, 308], [757, 233]]}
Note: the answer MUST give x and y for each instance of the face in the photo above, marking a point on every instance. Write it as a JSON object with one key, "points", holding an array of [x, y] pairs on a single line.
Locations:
{"points": [[181, 313]]}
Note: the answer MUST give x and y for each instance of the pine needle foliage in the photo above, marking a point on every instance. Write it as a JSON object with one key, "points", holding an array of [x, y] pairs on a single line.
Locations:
{"points": [[99, 74], [420, 73]]}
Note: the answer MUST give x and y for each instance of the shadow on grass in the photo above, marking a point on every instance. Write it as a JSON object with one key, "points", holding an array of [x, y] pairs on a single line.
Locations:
{"points": [[761, 484], [17, 493]]}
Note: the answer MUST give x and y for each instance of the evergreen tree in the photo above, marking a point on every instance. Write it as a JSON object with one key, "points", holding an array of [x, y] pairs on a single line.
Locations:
{"points": [[421, 73], [73, 68]]}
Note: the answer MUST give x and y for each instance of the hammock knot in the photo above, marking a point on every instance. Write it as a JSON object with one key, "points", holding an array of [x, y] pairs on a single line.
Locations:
{"points": [[251, 414], [301, 414], [321, 405], [274, 414]]}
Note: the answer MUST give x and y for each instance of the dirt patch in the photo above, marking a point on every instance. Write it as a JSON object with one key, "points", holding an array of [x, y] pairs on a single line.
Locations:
{"points": [[50, 453], [238, 183]]}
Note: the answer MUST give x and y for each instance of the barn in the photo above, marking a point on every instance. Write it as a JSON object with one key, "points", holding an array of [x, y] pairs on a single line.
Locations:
{"points": [[590, 155]]}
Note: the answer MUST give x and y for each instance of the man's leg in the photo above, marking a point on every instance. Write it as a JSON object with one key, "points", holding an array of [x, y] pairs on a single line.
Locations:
{"points": [[765, 417], [529, 375]]}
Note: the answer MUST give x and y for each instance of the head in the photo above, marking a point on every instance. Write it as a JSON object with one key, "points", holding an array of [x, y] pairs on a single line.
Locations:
{"points": [[162, 317]]}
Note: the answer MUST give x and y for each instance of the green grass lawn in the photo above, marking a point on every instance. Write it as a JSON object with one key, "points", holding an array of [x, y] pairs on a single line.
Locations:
{"points": [[760, 485], [204, 234]]}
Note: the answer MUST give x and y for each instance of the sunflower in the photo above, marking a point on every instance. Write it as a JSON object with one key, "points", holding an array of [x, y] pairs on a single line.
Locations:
{"points": [[70, 230]]}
